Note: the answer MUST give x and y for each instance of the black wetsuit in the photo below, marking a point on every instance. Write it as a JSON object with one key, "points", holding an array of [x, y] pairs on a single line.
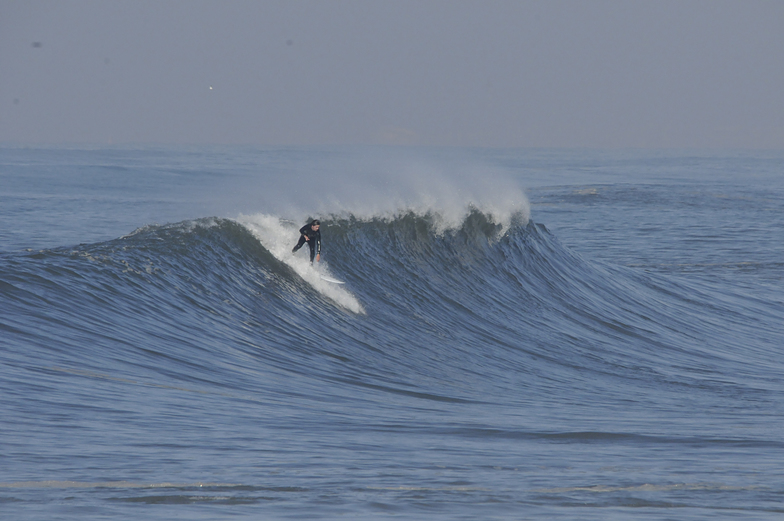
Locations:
{"points": [[313, 240]]}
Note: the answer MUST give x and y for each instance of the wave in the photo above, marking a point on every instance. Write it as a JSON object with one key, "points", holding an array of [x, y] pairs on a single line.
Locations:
{"points": [[482, 311]]}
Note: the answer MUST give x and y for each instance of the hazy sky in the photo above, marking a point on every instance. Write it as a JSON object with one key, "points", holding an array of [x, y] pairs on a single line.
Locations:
{"points": [[426, 72]]}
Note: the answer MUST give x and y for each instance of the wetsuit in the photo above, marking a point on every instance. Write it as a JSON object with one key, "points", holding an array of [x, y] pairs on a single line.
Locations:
{"points": [[313, 239]]}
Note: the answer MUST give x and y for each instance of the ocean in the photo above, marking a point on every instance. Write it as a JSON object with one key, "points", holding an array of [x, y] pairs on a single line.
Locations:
{"points": [[522, 334]]}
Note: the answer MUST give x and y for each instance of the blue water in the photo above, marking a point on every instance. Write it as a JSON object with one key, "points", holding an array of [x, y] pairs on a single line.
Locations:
{"points": [[523, 334]]}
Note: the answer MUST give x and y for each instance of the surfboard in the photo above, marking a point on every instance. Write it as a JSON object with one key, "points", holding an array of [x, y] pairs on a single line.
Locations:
{"points": [[330, 279]]}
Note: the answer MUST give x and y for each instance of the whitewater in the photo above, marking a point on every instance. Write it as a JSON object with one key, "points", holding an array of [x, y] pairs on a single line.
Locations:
{"points": [[522, 334]]}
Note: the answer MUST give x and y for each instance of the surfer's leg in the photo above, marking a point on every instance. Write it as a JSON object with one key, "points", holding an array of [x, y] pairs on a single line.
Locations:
{"points": [[312, 250], [299, 244]]}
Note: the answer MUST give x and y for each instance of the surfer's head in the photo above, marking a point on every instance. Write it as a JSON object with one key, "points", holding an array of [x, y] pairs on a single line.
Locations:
{"points": [[315, 224]]}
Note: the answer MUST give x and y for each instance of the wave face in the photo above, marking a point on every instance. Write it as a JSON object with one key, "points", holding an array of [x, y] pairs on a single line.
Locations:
{"points": [[474, 314], [468, 368]]}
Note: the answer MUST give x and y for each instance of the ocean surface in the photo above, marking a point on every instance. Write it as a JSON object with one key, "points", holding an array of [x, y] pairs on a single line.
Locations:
{"points": [[522, 334]]}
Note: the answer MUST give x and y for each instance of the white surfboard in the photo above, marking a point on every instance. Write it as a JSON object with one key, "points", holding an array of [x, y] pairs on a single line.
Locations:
{"points": [[330, 279]]}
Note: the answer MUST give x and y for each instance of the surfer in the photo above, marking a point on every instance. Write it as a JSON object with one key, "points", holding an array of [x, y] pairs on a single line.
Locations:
{"points": [[310, 233]]}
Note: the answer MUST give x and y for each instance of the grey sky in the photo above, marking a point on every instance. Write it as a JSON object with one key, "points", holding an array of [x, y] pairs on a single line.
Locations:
{"points": [[426, 72]]}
